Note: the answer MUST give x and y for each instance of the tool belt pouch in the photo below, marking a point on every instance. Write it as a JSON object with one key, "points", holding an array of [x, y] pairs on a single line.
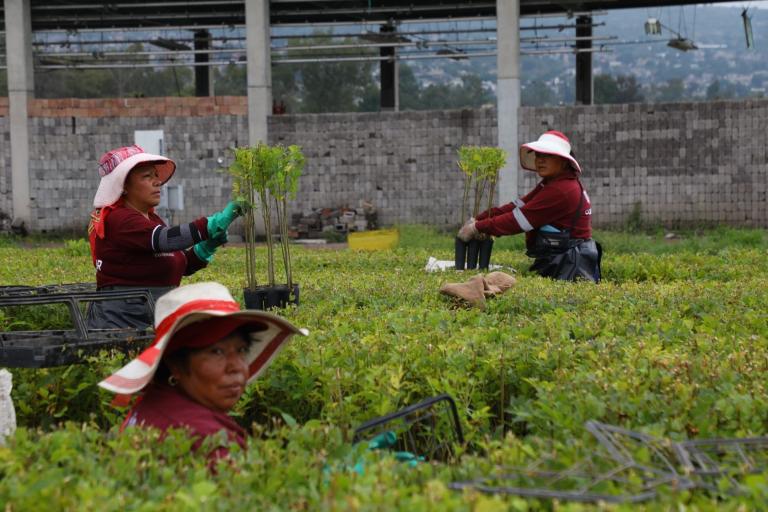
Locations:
{"points": [[580, 261], [548, 244]]}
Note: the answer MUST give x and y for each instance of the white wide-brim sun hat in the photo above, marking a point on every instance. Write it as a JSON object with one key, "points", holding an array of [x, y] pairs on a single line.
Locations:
{"points": [[115, 165], [211, 303], [551, 143]]}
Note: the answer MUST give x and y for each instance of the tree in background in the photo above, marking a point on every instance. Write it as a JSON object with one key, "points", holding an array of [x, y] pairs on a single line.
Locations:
{"points": [[470, 93], [285, 86], [322, 86], [410, 89], [622, 89], [538, 94], [116, 82], [334, 86], [606, 90], [723, 90], [671, 90], [230, 80]]}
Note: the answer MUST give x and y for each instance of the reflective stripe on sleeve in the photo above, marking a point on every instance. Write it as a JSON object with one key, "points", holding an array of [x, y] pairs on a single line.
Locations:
{"points": [[518, 202], [521, 220], [152, 238]]}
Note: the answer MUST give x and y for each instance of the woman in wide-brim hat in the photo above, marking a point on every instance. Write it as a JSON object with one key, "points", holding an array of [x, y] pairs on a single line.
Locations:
{"points": [[556, 215], [205, 352], [131, 245]]}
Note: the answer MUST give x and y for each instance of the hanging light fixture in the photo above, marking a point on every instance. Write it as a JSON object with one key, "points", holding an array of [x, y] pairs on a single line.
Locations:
{"points": [[682, 43], [652, 26]]}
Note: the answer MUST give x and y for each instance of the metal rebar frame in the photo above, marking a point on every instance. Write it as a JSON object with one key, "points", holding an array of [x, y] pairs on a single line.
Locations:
{"points": [[629, 467], [372, 58], [101, 59]]}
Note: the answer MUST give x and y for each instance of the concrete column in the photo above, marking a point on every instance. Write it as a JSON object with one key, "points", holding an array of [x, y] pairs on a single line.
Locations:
{"points": [[259, 72], [21, 88], [584, 82], [508, 93]]}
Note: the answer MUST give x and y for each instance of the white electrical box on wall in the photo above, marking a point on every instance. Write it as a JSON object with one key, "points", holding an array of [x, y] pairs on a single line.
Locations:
{"points": [[150, 141], [171, 196]]}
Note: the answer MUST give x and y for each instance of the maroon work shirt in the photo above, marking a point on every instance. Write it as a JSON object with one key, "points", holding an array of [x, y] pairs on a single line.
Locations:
{"points": [[125, 255], [550, 202], [164, 407]]}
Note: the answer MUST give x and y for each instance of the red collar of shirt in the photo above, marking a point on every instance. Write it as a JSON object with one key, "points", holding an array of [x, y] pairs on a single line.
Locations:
{"points": [[163, 404], [565, 176]]}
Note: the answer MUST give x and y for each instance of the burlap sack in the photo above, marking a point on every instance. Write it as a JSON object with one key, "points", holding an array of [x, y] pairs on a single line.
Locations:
{"points": [[470, 291], [500, 280]]}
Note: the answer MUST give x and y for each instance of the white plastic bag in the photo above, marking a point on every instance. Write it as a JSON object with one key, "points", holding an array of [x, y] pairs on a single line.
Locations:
{"points": [[434, 265], [7, 412]]}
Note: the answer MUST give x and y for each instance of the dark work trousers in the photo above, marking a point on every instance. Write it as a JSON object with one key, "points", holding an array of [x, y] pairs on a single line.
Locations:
{"points": [[580, 261], [133, 312]]}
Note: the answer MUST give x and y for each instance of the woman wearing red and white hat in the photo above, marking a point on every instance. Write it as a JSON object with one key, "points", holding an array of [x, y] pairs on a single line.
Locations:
{"points": [[205, 352], [132, 247], [556, 215]]}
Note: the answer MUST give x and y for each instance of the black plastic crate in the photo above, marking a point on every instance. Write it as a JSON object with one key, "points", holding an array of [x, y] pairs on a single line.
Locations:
{"points": [[56, 347]]}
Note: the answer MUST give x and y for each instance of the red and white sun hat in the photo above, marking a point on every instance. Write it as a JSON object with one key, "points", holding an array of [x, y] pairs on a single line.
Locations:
{"points": [[115, 165], [551, 143], [198, 315]]}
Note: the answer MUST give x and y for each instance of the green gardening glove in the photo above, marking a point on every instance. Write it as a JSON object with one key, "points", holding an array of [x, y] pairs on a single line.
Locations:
{"points": [[220, 221], [206, 249]]}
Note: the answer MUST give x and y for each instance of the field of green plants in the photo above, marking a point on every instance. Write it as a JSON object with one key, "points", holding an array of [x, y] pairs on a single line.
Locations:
{"points": [[673, 342]]}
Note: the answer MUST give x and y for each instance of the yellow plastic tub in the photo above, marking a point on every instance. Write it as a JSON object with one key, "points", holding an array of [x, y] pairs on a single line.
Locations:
{"points": [[377, 240]]}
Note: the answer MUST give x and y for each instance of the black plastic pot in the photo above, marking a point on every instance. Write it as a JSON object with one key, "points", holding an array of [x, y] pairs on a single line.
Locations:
{"points": [[269, 297], [484, 255], [473, 250], [460, 256]]}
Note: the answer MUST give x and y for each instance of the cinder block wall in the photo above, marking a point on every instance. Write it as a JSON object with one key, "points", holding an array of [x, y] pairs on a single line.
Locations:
{"points": [[404, 163], [67, 137], [686, 163], [679, 163]]}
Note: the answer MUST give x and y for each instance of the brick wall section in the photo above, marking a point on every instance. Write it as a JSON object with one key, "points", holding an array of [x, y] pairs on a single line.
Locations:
{"points": [[681, 163], [404, 163], [684, 163], [139, 107]]}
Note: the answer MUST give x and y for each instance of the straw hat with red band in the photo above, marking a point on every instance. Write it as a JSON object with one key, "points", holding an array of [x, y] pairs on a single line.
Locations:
{"points": [[198, 315], [551, 143], [115, 165]]}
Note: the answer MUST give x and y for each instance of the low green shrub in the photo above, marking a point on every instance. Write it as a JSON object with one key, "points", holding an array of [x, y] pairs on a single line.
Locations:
{"points": [[674, 341]]}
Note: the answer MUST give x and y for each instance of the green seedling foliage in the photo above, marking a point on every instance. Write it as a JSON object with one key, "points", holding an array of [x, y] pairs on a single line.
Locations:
{"points": [[480, 166], [265, 177], [673, 342], [282, 187]]}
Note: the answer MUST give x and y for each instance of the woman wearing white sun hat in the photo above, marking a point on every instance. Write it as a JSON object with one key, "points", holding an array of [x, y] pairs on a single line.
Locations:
{"points": [[130, 244], [556, 215], [205, 352]]}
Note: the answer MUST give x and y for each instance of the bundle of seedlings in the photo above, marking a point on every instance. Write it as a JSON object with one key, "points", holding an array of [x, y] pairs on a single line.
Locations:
{"points": [[265, 178], [481, 166]]}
